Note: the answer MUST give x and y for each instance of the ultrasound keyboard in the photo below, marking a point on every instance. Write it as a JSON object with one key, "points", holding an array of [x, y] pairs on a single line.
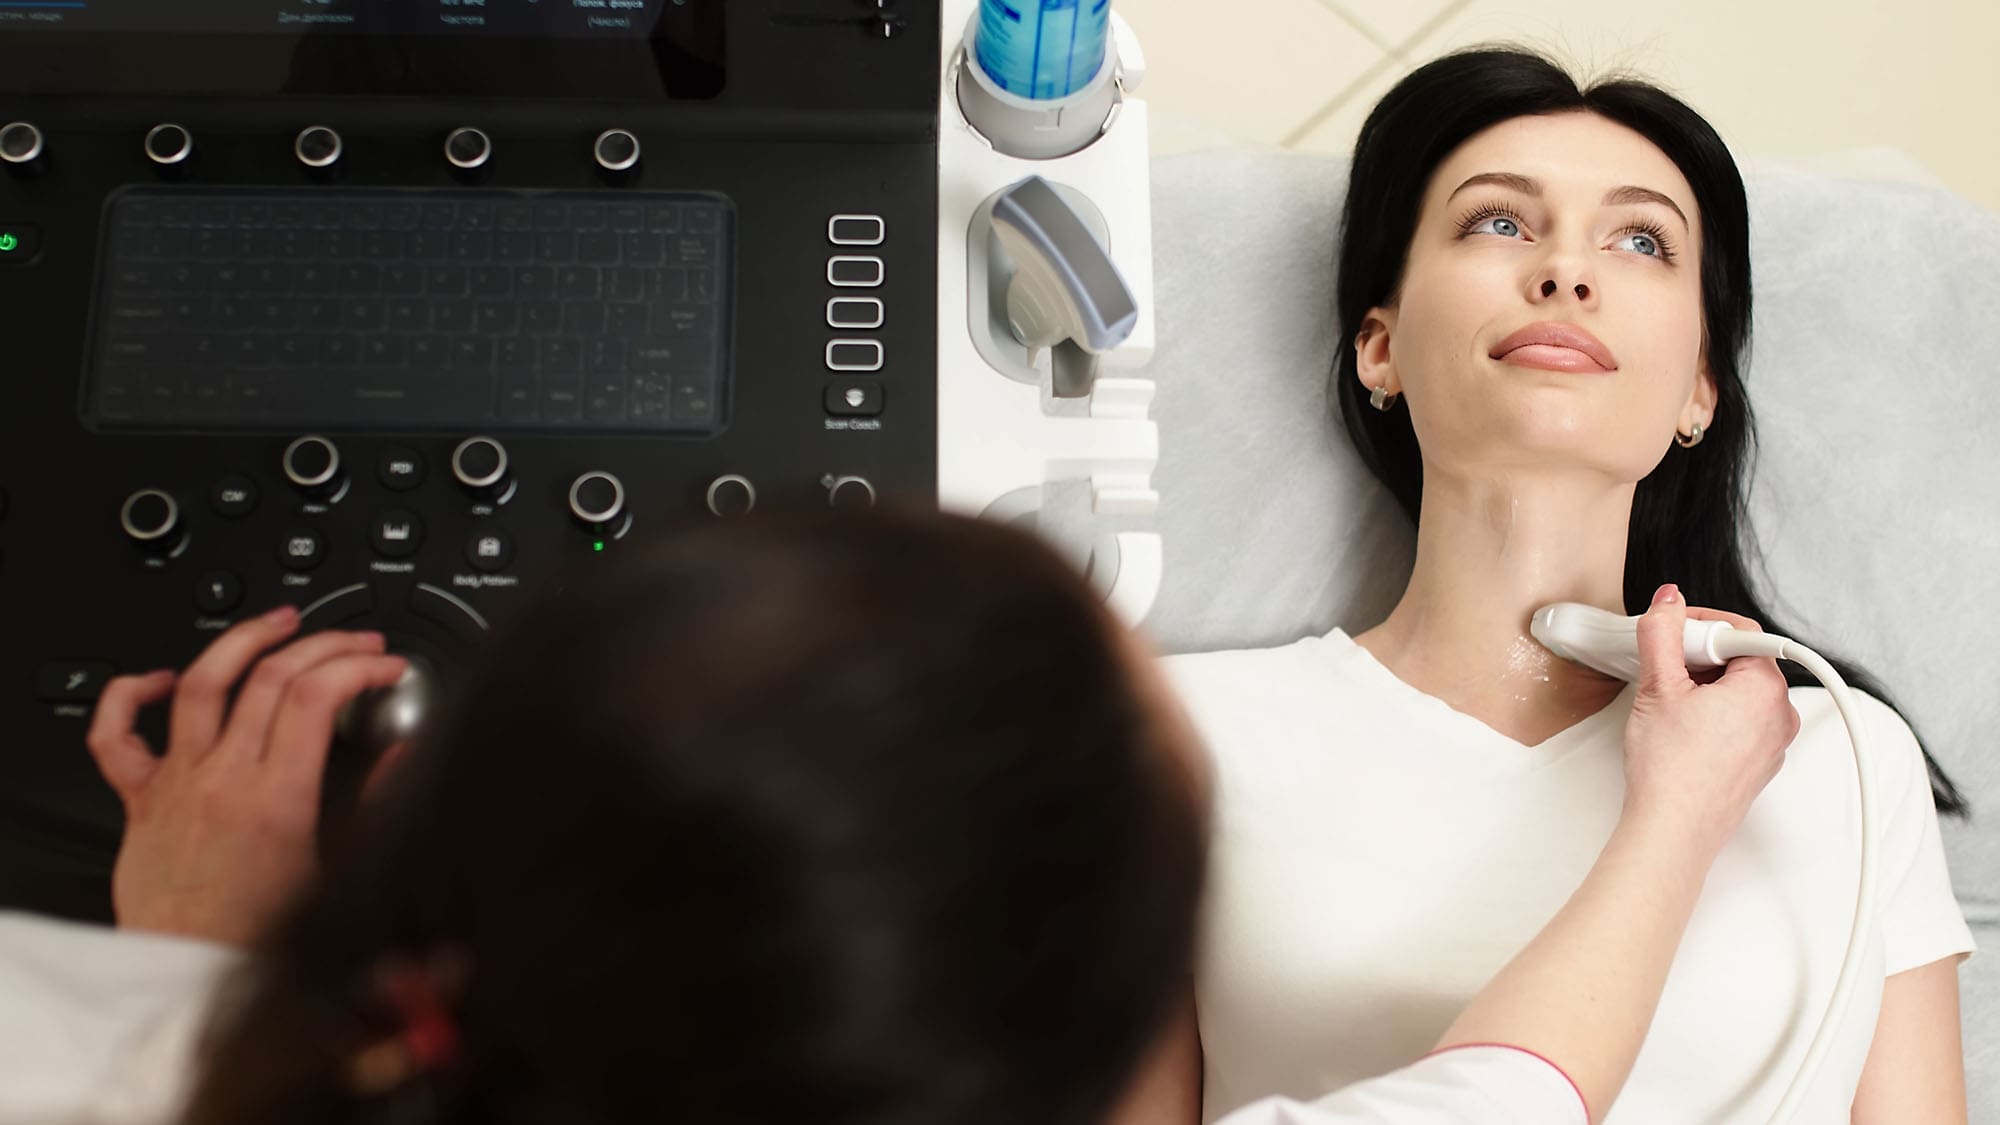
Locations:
{"points": [[552, 311]]}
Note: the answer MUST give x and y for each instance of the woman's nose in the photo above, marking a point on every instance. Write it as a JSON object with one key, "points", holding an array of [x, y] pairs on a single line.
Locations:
{"points": [[1580, 288]]}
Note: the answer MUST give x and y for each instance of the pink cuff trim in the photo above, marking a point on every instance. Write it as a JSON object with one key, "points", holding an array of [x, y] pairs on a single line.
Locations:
{"points": [[1581, 1100]]}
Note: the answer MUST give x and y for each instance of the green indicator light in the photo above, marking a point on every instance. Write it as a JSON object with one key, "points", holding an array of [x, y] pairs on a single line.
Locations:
{"points": [[597, 546], [8, 243]]}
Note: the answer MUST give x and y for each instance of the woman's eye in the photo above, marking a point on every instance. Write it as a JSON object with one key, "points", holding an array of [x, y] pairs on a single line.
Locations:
{"points": [[1497, 224], [1642, 243]]}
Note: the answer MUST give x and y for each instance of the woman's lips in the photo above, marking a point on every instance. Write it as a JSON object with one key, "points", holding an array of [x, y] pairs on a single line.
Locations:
{"points": [[1550, 357], [1556, 346]]}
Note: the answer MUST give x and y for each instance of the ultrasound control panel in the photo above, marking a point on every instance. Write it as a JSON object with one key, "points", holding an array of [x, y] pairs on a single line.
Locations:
{"points": [[389, 310]]}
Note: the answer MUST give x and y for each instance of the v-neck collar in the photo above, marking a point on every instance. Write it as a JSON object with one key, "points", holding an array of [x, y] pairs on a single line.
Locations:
{"points": [[1355, 660]]}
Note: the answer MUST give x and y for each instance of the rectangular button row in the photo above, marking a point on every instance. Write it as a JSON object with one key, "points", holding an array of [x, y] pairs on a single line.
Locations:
{"points": [[849, 398]]}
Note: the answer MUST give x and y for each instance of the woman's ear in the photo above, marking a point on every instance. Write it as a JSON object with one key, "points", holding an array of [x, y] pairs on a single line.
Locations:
{"points": [[1371, 352], [1701, 404]]}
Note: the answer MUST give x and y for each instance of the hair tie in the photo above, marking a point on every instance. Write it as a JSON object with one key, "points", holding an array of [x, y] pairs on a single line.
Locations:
{"points": [[424, 1039]]}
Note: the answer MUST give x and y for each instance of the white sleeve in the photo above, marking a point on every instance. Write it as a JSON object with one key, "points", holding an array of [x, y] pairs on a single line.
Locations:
{"points": [[99, 1025], [1480, 1085], [1919, 916]]}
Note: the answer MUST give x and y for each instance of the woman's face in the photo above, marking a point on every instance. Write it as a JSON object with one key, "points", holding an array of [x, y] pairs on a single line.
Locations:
{"points": [[1551, 303]]}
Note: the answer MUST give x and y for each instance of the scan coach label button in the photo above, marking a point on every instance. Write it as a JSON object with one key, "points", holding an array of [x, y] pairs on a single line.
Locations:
{"points": [[19, 243]]}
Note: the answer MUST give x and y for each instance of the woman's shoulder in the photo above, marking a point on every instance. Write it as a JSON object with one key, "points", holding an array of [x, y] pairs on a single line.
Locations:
{"points": [[1896, 762]]}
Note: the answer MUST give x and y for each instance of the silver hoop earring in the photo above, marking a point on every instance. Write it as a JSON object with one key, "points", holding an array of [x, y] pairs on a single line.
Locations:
{"points": [[1688, 441], [1381, 399]]}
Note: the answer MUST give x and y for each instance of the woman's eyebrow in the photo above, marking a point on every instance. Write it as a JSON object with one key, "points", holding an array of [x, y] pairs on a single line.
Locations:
{"points": [[1511, 180], [1632, 194], [1526, 185]]}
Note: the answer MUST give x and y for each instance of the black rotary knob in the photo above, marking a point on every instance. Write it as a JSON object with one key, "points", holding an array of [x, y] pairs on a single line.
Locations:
{"points": [[312, 464], [168, 145], [480, 466], [597, 499], [617, 150], [318, 146], [20, 143], [152, 519], [732, 495], [850, 492], [468, 148]]}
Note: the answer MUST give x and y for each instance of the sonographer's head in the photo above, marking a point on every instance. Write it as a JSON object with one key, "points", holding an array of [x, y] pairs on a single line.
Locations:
{"points": [[818, 819]]}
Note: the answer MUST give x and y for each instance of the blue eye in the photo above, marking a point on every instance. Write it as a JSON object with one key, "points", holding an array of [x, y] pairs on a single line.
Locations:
{"points": [[1643, 243], [1501, 225]]}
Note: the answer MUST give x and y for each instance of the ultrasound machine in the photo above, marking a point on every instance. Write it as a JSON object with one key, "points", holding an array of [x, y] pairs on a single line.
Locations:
{"points": [[388, 309]]}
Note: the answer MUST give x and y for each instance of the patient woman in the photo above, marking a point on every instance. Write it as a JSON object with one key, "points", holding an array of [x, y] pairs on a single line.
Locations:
{"points": [[1544, 296], [877, 821]]}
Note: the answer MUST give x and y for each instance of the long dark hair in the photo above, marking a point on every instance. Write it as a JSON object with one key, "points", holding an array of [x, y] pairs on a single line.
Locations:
{"points": [[1689, 523], [816, 819]]}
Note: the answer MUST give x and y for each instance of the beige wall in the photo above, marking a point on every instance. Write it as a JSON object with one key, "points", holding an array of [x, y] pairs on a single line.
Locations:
{"points": [[1801, 80]]}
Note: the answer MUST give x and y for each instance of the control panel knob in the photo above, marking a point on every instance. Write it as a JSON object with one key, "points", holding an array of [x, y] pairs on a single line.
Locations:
{"points": [[732, 495], [617, 150], [312, 464], [169, 145], [318, 146], [383, 717], [20, 143], [850, 492], [468, 148], [597, 499], [152, 519], [480, 466]]}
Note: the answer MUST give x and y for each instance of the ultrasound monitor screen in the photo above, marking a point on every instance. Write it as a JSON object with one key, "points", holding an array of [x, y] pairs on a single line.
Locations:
{"points": [[529, 18], [625, 49]]}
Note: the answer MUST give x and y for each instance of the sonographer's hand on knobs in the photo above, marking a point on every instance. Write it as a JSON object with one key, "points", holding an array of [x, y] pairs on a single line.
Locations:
{"points": [[1697, 754], [219, 829]]}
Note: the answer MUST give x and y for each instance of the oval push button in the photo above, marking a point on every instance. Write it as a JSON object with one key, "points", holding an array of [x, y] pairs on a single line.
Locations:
{"points": [[233, 497], [397, 534], [854, 400], [489, 551], [400, 470], [72, 681], [302, 550], [219, 591]]}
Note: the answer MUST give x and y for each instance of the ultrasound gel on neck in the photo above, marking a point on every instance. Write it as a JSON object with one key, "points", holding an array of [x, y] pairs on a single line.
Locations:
{"points": [[1042, 49]]}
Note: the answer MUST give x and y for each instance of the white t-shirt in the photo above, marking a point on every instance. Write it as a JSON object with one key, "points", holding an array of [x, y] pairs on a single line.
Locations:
{"points": [[101, 1027], [1379, 857]]}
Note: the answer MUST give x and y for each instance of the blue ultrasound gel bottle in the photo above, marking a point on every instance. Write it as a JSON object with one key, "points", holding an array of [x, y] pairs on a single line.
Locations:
{"points": [[1042, 49]]}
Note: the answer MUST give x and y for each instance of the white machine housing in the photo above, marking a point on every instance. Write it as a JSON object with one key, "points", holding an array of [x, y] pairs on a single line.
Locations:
{"points": [[1001, 438]]}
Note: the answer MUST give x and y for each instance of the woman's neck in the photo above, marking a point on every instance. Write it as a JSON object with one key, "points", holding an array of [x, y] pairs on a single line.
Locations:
{"points": [[1491, 550]]}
